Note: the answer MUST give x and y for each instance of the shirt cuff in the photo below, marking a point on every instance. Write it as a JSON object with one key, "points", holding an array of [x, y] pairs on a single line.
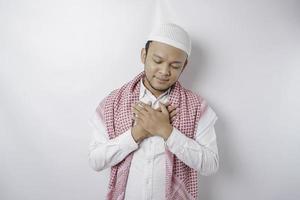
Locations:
{"points": [[127, 140], [176, 141]]}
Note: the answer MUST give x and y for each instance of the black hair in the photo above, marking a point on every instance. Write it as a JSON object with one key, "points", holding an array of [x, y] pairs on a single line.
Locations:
{"points": [[147, 46]]}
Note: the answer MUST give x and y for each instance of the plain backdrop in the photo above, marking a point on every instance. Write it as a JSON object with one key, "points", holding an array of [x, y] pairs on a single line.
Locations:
{"points": [[59, 58]]}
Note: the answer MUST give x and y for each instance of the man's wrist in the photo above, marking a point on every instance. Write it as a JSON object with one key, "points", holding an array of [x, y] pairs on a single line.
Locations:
{"points": [[137, 137], [167, 132]]}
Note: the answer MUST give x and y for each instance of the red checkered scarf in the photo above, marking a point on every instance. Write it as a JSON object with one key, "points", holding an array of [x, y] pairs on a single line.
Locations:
{"points": [[181, 180]]}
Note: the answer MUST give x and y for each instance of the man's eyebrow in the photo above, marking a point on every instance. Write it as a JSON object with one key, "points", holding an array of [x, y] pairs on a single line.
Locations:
{"points": [[179, 62], [158, 56], [163, 58]]}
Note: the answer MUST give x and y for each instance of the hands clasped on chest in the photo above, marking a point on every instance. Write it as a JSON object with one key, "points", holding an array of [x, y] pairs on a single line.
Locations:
{"points": [[150, 122]]}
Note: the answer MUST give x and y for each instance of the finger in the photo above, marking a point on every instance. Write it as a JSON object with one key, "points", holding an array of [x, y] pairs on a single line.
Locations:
{"points": [[142, 104], [137, 119], [158, 109], [141, 111], [167, 104], [140, 107], [139, 104], [138, 110], [173, 116], [171, 120], [163, 108], [171, 108], [137, 115], [133, 117], [147, 107], [173, 113]]}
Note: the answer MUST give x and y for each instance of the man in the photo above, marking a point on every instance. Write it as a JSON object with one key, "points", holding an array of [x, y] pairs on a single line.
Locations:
{"points": [[153, 133]]}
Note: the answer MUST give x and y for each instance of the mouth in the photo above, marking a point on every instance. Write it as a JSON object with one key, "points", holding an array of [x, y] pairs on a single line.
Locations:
{"points": [[162, 80]]}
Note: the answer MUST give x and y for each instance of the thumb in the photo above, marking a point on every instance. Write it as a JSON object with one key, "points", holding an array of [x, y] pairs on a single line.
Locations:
{"points": [[163, 108]]}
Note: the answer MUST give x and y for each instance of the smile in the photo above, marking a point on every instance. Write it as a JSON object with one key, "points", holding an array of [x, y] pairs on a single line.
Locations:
{"points": [[162, 80]]}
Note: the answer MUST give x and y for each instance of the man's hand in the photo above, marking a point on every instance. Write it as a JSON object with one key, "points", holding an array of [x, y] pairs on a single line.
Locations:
{"points": [[155, 121], [172, 111], [137, 131]]}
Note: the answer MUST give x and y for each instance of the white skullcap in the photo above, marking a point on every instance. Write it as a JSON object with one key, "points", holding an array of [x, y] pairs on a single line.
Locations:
{"points": [[173, 35]]}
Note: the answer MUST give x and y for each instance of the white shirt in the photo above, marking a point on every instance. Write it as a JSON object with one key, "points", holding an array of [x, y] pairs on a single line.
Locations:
{"points": [[146, 179]]}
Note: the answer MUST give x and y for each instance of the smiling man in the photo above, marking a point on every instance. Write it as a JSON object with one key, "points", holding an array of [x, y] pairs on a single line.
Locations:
{"points": [[154, 134]]}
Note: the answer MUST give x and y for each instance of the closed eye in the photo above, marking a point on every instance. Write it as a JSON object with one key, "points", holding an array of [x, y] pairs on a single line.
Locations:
{"points": [[176, 66], [156, 61]]}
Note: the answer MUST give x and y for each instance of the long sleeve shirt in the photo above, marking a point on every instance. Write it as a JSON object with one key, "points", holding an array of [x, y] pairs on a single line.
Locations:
{"points": [[146, 179]]}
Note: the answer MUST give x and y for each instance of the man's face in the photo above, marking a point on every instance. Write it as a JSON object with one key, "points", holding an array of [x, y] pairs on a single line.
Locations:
{"points": [[163, 65]]}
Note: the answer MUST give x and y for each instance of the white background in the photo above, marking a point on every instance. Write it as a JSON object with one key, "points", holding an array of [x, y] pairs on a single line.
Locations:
{"points": [[59, 58]]}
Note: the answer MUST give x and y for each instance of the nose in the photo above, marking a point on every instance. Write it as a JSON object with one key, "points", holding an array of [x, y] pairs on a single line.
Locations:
{"points": [[164, 70]]}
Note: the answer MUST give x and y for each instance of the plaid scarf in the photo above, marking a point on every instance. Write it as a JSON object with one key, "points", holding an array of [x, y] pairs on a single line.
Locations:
{"points": [[181, 180]]}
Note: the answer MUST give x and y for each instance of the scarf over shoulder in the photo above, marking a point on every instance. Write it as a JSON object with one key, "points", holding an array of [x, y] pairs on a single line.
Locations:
{"points": [[181, 180]]}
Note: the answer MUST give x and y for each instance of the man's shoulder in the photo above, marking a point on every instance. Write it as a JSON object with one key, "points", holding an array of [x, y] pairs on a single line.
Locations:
{"points": [[117, 92], [196, 100], [110, 96], [192, 95]]}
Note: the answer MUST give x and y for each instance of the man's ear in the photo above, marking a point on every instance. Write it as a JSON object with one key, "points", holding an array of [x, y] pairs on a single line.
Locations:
{"points": [[143, 55]]}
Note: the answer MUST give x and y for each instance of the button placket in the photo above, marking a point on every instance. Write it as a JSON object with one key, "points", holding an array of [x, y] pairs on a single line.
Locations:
{"points": [[150, 163], [149, 169], [151, 146]]}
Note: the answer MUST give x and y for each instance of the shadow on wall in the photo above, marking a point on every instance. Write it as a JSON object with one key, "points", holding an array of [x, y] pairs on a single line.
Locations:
{"points": [[195, 69], [196, 72], [228, 171]]}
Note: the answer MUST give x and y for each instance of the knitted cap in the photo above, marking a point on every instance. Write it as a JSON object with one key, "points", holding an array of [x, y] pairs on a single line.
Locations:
{"points": [[173, 35]]}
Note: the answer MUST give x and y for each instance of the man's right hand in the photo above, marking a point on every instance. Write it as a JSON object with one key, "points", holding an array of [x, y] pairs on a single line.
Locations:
{"points": [[139, 133]]}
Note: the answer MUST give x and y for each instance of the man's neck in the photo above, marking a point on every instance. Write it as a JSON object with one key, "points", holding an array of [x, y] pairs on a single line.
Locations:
{"points": [[156, 93]]}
